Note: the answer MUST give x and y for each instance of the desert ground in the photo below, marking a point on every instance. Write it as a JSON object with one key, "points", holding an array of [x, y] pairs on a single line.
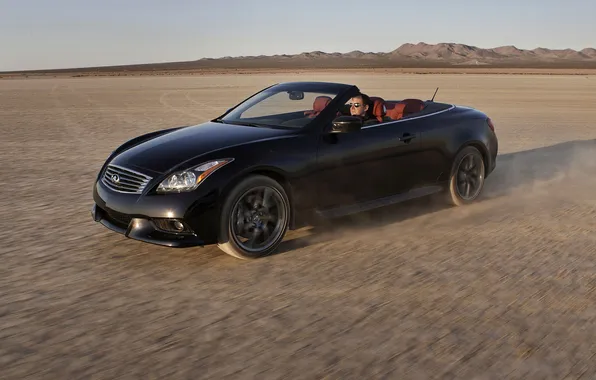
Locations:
{"points": [[502, 289]]}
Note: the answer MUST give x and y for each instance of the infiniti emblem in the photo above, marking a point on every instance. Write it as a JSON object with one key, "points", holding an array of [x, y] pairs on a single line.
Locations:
{"points": [[115, 178]]}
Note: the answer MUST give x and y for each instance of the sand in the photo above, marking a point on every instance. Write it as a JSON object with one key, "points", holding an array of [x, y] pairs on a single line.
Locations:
{"points": [[500, 289]]}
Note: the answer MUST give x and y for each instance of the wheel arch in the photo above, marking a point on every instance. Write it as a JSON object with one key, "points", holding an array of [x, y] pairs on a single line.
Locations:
{"points": [[481, 148], [472, 133], [468, 127]]}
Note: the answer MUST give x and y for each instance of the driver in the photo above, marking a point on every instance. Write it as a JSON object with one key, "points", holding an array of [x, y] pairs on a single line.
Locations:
{"points": [[359, 106]]}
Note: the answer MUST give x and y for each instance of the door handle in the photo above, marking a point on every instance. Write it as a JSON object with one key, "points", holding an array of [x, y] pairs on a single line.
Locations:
{"points": [[407, 137]]}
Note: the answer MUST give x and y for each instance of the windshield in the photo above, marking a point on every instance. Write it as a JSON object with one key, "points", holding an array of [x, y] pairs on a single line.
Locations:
{"points": [[281, 108]]}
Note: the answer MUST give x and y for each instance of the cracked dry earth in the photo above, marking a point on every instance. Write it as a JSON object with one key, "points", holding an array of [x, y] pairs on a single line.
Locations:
{"points": [[502, 289]]}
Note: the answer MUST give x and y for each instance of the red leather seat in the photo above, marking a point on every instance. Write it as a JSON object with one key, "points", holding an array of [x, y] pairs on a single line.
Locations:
{"points": [[318, 106], [378, 109], [412, 106], [395, 110]]}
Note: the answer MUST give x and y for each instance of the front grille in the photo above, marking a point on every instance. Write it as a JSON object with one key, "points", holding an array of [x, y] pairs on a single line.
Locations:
{"points": [[124, 180]]}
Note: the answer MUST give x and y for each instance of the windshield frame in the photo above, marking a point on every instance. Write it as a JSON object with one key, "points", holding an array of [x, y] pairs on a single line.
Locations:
{"points": [[335, 91]]}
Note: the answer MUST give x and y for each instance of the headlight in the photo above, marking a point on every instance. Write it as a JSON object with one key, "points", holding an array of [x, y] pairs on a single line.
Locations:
{"points": [[190, 179]]}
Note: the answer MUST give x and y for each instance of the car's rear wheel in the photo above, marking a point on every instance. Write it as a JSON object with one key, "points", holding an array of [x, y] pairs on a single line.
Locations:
{"points": [[254, 218], [467, 177]]}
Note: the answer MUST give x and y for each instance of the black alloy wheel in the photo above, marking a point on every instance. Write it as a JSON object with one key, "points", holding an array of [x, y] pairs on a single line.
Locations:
{"points": [[467, 176], [255, 218]]}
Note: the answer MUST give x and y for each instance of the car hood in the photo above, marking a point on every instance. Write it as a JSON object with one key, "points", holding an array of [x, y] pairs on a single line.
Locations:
{"points": [[164, 152]]}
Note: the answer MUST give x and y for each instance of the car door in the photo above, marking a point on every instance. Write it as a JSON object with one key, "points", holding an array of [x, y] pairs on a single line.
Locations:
{"points": [[377, 161]]}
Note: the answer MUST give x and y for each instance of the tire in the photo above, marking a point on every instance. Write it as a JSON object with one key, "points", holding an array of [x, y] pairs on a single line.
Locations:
{"points": [[274, 217], [474, 176]]}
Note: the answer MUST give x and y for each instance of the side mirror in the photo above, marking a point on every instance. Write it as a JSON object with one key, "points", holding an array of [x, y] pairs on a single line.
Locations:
{"points": [[296, 95], [346, 124]]}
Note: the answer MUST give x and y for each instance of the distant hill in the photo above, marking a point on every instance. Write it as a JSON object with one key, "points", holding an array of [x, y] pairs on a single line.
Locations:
{"points": [[422, 55]]}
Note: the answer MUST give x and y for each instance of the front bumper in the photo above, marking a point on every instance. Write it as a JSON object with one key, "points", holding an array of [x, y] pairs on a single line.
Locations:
{"points": [[144, 229], [151, 219]]}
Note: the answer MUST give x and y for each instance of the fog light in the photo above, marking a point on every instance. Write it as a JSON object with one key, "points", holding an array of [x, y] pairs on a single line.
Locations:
{"points": [[171, 225], [179, 226]]}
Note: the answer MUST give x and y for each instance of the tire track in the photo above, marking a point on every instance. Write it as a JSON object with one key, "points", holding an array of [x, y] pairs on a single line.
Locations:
{"points": [[163, 100]]}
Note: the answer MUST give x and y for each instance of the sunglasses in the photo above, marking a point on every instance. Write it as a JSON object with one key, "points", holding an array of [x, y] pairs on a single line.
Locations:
{"points": [[355, 105]]}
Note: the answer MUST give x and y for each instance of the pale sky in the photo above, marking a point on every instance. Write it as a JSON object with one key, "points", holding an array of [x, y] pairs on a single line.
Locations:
{"points": [[45, 34]]}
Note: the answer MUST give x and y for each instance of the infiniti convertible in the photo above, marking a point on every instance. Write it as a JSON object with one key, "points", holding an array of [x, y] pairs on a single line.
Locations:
{"points": [[287, 155]]}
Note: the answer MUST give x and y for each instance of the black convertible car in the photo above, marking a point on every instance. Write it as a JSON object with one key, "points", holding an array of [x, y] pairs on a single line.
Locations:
{"points": [[285, 155]]}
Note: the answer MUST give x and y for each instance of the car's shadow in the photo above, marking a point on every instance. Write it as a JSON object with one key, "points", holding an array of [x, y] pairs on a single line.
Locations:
{"points": [[514, 170]]}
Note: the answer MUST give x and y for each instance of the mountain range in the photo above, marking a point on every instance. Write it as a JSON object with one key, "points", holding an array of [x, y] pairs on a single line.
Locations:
{"points": [[423, 54], [420, 55]]}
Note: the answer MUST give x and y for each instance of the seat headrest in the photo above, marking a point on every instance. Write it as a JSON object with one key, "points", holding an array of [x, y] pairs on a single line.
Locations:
{"points": [[377, 109], [412, 105], [318, 106]]}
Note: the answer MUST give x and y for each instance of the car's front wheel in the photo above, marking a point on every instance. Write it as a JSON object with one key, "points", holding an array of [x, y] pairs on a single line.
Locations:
{"points": [[254, 218], [467, 177]]}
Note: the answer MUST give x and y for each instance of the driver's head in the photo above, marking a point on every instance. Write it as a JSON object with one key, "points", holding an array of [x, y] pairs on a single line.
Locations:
{"points": [[359, 105]]}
